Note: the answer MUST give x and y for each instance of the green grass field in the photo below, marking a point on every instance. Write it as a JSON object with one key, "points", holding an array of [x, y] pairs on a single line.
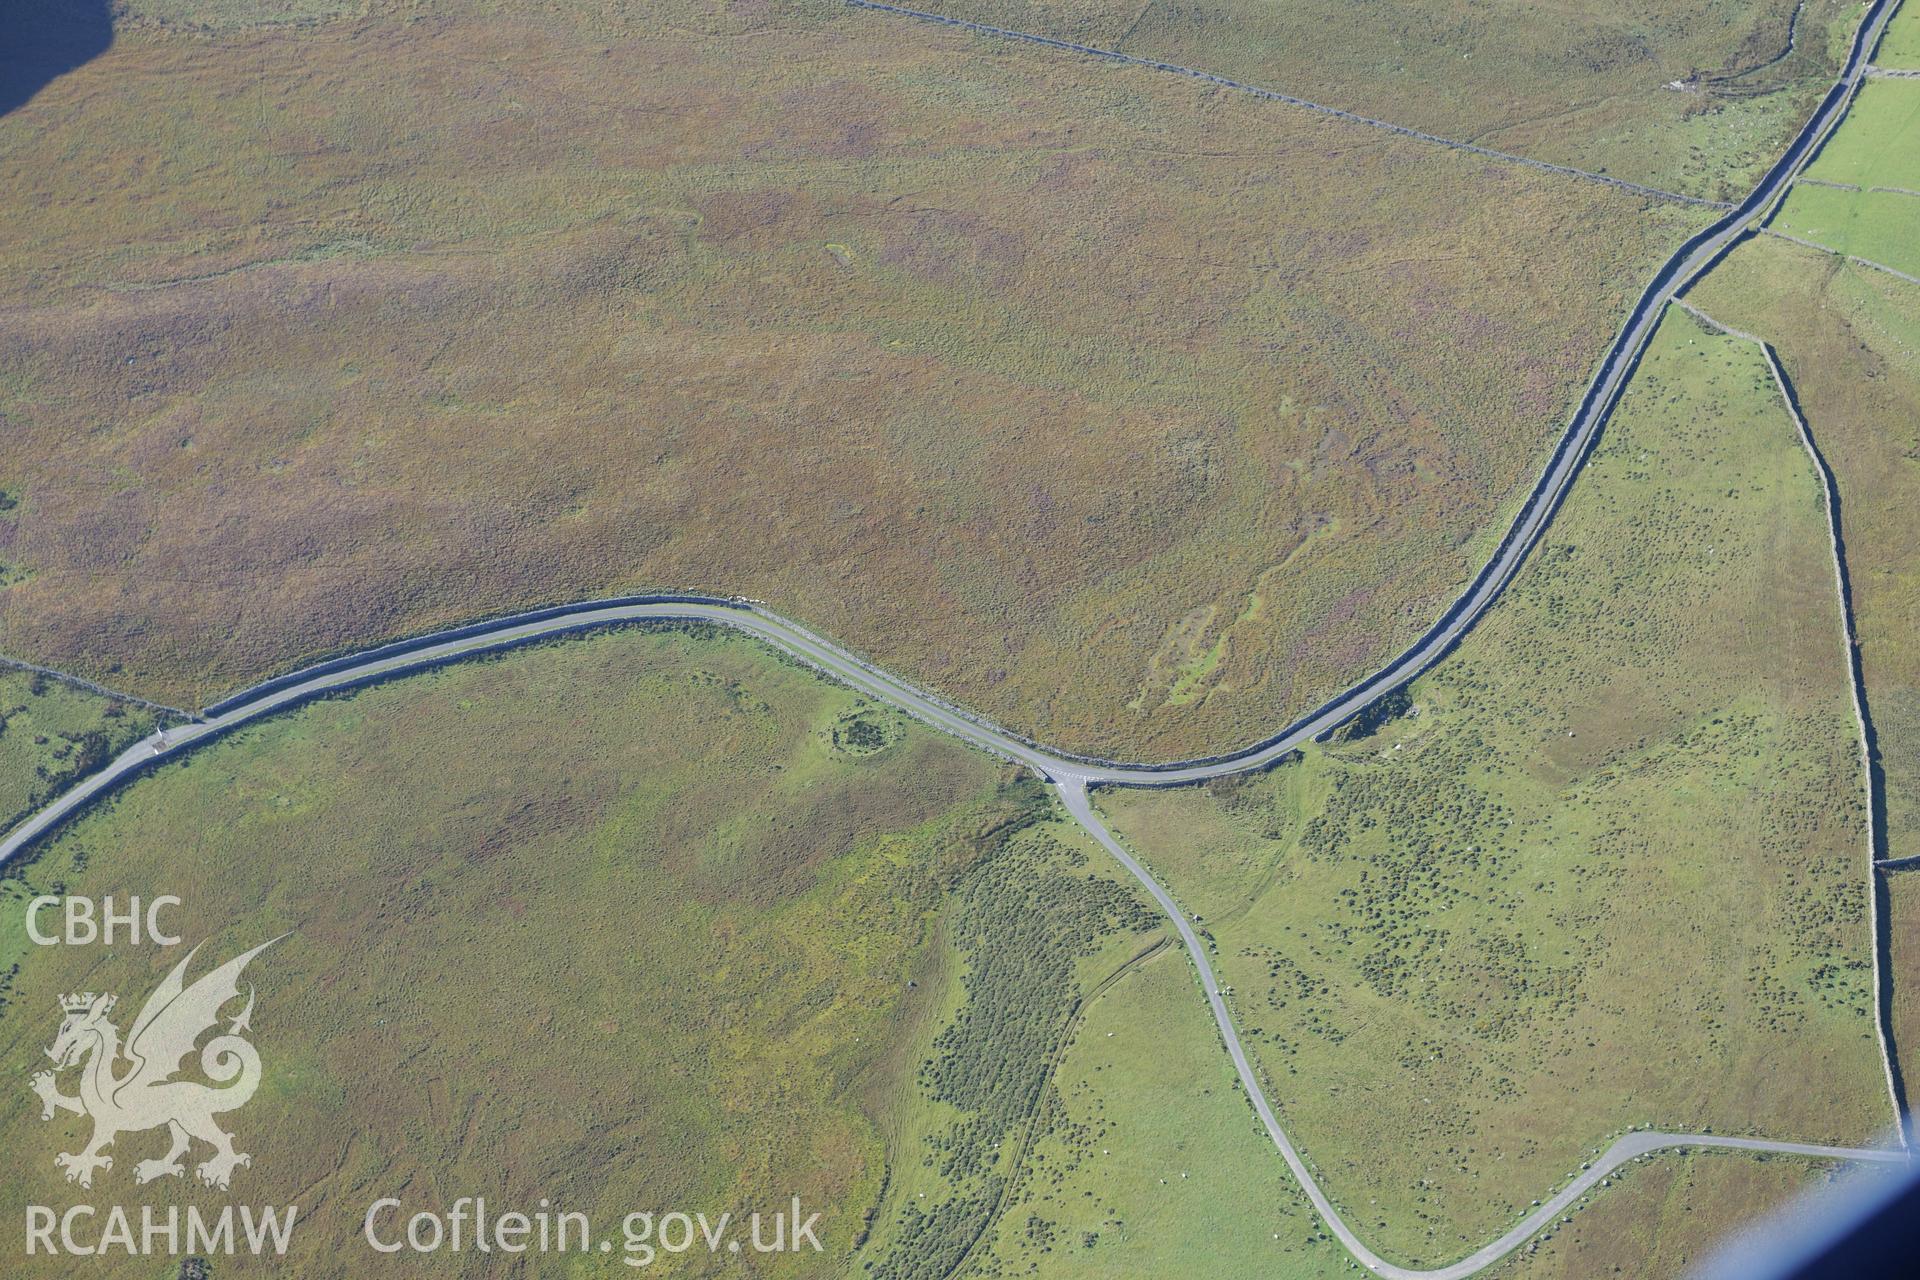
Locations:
{"points": [[1878, 144], [1880, 226], [1876, 149], [1694, 96], [1605, 867], [620, 921], [1849, 337], [1900, 46], [1135, 415]]}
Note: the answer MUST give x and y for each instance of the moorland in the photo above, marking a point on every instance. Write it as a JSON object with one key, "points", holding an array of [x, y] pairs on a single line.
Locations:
{"points": [[1694, 96], [1134, 414]]}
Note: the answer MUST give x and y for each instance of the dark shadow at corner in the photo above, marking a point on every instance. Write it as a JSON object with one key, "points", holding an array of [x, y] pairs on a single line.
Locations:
{"points": [[42, 40]]}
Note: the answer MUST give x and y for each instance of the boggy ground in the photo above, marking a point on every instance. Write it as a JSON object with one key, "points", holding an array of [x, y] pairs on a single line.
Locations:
{"points": [[1135, 415], [1605, 866]]}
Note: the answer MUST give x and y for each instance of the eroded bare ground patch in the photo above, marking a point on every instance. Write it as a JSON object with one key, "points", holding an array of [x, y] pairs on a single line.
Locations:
{"points": [[993, 364]]}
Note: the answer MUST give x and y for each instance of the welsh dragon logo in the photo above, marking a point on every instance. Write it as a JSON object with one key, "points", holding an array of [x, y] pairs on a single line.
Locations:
{"points": [[145, 1095]]}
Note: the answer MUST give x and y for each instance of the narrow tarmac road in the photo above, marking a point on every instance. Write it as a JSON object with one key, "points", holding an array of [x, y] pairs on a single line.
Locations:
{"points": [[1073, 776]]}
